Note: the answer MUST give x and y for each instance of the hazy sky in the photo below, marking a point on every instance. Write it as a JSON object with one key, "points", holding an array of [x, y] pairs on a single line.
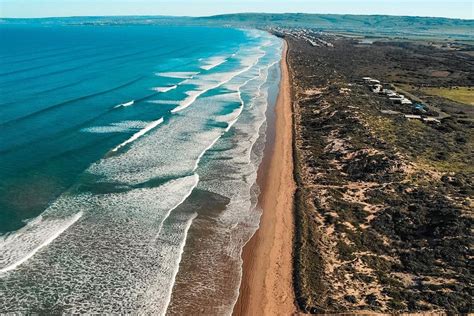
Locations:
{"points": [[41, 8]]}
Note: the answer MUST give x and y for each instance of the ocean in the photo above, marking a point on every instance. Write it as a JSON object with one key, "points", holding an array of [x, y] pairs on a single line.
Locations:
{"points": [[128, 165]]}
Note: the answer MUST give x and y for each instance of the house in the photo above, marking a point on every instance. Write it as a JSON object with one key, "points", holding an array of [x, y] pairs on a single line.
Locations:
{"points": [[376, 88], [413, 117], [389, 93], [396, 100], [431, 120], [400, 100], [389, 112]]}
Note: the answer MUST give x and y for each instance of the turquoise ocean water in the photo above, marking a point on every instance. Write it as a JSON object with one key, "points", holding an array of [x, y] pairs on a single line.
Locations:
{"points": [[128, 158]]}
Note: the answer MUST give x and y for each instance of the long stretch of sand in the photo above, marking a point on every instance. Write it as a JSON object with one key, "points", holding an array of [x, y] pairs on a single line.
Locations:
{"points": [[266, 287]]}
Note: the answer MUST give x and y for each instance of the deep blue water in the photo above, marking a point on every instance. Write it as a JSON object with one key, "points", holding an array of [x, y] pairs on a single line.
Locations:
{"points": [[115, 141], [55, 82]]}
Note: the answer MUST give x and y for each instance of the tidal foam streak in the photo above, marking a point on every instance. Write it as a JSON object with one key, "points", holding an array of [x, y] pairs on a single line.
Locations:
{"points": [[164, 89], [118, 232], [119, 127], [137, 135], [213, 62], [124, 105], [20, 246], [177, 75]]}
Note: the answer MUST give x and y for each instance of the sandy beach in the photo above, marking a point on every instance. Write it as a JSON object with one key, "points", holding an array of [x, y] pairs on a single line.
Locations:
{"points": [[266, 287]]}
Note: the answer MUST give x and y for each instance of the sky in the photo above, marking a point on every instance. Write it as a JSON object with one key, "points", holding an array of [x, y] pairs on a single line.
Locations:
{"points": [[48, 8]]}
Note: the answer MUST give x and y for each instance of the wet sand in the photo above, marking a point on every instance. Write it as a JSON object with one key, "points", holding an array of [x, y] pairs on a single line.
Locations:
{"points": [[266, 287]]}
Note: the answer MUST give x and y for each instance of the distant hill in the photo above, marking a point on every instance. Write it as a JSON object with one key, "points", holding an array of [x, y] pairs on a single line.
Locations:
{"points": [[377, 25], [368, 25]]}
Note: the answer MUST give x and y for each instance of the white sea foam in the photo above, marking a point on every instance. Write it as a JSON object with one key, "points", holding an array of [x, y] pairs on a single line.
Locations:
{"points": [[238, 157], [139, 134], [207, 84], [120, 127], [210, 63], [170, 102], [18, 247], [118, 232], [192, 96], [123, 105], [164, 89], [158, 296], [195, 181], [177, 75], [140, 162]]}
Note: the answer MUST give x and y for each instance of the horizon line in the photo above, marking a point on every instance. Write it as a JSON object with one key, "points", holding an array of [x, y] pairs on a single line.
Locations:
{"points": [[237, 13]]}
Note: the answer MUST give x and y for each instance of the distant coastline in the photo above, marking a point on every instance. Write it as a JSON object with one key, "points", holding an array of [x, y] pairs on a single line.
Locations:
{"points": [[388, 26]]}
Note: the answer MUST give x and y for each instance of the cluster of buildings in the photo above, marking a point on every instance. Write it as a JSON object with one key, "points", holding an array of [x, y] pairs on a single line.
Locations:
{"points": [[377, 87], [393, 96], [306, 35]]}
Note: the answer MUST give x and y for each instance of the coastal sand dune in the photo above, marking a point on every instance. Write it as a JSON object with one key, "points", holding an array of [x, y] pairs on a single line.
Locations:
{"points": [[266, 287]]}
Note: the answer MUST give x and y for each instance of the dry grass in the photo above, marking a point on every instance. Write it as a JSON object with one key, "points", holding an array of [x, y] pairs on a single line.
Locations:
{"points": [[459, 94]]}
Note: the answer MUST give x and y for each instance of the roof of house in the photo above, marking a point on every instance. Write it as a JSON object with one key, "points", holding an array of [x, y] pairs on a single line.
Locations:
{"points": [[412, 116], [431, 119]]}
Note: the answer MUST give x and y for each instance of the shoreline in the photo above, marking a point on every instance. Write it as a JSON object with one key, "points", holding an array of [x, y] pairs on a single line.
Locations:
{"points": [[267, 286]]}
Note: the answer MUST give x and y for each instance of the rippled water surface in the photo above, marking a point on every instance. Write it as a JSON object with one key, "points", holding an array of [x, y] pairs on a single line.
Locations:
{"points": [[128, 158]]}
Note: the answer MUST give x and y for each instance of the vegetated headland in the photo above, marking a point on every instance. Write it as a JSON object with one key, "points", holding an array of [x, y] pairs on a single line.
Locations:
{"points": [[384, 168]]}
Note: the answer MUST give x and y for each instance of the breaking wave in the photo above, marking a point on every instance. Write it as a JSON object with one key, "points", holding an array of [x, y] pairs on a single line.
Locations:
{"points": [[213, 62], [164, 89], [139, 134], [123, 105]]}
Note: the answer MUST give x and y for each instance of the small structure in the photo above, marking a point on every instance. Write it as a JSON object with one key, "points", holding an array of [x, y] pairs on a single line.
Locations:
{"points": [[390, 112], [396, 99], [400, 99], [431, 120], [413, 117], [376, 88], [390, 93], [370, 80], [419, 107]]}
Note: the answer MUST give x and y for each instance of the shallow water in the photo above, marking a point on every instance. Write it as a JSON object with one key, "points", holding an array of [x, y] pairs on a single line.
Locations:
{"points": [[128, 154]]}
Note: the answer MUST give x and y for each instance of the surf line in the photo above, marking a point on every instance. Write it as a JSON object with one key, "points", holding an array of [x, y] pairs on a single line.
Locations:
{"points": [[49, 240], [177, 264], [212, 62], [164, 89], [123, 105], [193, 95], [177, 75], [140, 133], [168, 213]]}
